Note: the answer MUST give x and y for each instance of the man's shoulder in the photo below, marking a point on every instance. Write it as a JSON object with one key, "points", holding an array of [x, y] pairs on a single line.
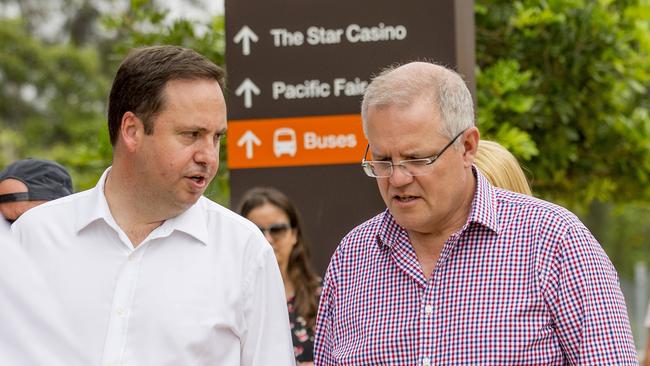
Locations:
{"points": [[534, 212], [362, 235], [231, 224], [61, 209], [214, 209]]}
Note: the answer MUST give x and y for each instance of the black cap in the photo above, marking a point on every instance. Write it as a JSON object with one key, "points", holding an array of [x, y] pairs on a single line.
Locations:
{"points": [[45, 180]]}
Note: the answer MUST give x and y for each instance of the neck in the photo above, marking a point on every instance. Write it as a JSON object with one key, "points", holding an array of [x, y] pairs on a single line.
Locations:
{"points": [[127, 206], [429, 244]]}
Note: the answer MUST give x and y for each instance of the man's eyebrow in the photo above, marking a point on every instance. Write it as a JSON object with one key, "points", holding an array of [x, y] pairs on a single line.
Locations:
{"points": [[191, 128], [407, 155], [202, 129], [373, 155]]}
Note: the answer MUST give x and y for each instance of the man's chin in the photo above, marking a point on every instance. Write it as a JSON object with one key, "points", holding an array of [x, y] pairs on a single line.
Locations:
{"points": [[184, 204], [191, 200], [410, 221]]}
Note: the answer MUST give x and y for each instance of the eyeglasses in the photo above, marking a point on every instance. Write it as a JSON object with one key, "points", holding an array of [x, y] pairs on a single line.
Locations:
{"points": [[277, 231], [411, 167]]}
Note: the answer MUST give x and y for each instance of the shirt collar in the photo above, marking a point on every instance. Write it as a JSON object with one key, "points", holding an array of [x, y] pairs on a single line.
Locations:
{"points": [[192, 222], [483, 212], [95, 207], [484, 204], [390, 232]]}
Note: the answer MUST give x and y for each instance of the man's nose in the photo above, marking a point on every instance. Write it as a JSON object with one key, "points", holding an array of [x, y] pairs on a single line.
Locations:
{"points": [[399, 177], [207, 153]]}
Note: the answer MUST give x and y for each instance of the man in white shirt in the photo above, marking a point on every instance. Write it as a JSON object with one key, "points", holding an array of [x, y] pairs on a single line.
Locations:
{"points": [[153, 272], [33, 329]]}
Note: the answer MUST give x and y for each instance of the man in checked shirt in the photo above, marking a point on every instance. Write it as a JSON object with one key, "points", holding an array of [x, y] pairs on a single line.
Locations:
{"points": [[457, 271]]}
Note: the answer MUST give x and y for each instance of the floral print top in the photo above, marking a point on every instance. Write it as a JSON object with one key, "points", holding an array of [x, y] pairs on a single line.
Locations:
{"points": [[301, 335]]}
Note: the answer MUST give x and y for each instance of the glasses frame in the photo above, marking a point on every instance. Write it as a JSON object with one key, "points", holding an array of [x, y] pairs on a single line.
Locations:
{"points": [[283, 228], [367, 164]]}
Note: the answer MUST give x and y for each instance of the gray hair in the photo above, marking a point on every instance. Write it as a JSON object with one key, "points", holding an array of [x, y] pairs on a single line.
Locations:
{"points": [[403, 85]]}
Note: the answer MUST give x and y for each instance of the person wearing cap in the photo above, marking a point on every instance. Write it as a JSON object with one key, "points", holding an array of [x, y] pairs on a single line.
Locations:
{"points": [[153, 272], [28, 183]]}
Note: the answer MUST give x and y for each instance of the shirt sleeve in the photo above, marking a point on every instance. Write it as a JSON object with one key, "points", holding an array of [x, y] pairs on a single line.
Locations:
{"points": [[324, 337], [267, 337], [582, 291]]}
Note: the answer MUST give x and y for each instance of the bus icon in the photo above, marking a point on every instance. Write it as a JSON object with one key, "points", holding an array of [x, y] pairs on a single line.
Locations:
{"points": [[284, 142]]}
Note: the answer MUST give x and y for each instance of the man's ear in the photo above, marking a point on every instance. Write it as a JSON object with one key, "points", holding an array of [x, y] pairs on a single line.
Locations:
{"points": [[131, 130], [470, 146]]}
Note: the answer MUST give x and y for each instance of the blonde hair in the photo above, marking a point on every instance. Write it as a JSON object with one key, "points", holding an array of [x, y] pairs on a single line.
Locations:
{"points": [[500, 167]]}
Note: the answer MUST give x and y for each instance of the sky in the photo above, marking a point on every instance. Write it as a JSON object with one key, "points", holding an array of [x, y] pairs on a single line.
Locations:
{"points": [[181, 8], [178, 9]]}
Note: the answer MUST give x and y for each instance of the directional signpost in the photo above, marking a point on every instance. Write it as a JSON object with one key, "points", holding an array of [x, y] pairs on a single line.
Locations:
{"points": [[246, 89], [245, 36], [297, 71]]}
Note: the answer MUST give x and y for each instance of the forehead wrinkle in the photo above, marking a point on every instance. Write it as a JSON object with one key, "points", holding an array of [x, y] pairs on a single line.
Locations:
{"points": [[406, 154]]}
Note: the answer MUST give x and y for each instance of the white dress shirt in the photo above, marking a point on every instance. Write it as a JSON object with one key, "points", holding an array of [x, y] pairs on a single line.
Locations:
{"points": [[203, 288], [32, 329]]}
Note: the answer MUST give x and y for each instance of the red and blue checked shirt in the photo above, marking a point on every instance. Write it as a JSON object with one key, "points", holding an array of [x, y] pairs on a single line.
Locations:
{"points": [[522, 283]]}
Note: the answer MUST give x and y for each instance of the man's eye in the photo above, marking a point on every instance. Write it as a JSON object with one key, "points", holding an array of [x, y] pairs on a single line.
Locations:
{"points": [[192, 134], [417, 162]]}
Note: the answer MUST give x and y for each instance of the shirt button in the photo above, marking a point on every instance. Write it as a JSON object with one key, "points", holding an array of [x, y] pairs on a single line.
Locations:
{"points": [[426, 361], [119, 311], [428, 309]]}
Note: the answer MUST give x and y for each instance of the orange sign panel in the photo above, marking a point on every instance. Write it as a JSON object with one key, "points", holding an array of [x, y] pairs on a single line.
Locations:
{"points": [[297, 141]]}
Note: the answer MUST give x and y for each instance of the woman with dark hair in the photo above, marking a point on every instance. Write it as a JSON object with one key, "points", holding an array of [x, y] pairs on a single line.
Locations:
{"points": [[276, 216]]}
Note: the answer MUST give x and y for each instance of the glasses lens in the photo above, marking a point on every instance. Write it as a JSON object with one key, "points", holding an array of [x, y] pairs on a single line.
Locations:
{"points": [[378, 169], [367, 168], [417, 167], [277, 230]]}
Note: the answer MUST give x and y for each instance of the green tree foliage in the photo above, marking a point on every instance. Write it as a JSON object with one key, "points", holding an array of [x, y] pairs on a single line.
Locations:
{"points": [[564, 85], [54, 94], [51, 102]]}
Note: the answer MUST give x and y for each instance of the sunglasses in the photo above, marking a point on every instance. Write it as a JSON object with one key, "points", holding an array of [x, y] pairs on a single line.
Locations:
{"points": [[276, 231]]}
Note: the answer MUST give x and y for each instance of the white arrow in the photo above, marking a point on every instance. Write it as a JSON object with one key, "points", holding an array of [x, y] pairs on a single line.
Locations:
{"points": [[248, 89], [249, 139], [245, 36]]}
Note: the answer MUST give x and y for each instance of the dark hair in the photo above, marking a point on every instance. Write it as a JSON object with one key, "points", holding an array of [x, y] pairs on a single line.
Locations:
{"points": [[141, 79], [299, 270]]}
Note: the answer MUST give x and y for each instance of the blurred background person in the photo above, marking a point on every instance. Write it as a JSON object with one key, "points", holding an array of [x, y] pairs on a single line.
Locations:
{"points": [[279, 221], [33, 328], [28, 183], [500, 167]]}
